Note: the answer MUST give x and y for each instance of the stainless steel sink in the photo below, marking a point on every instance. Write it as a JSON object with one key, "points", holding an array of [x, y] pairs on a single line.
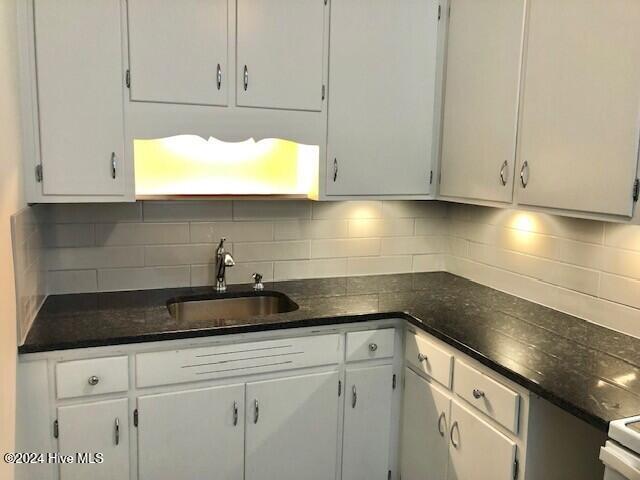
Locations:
{"points": [[219, 308]]}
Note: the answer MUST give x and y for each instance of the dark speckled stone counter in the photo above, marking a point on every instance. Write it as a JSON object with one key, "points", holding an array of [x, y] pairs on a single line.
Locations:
{"points": [[590, 371]]}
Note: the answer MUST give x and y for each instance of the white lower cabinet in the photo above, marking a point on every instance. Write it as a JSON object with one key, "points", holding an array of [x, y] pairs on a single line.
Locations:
{"points": [[478, 450], [367, 423], [292, 428], [192, 434], [425, 439], [93, 428]]}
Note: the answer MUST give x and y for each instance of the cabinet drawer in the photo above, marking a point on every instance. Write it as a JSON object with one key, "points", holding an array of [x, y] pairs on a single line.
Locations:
{"points": [[487, 395], [223, 361], [426, 356], [370, 344], [79, 378]]}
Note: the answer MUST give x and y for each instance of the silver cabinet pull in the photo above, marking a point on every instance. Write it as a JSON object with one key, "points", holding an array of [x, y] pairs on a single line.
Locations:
{"points": [[422, 357], [219, 76], [454, 427], [354, 397], [246, 78], [117, 431], [477, 394], [114, 165], [93, 380], [524, 172], [256, 411], [235, 413], [335, 169], [503, 173], [441, 429], [373, 347]]}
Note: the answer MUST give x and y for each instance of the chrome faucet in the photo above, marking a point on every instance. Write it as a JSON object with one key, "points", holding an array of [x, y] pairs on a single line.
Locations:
{"points": [[223, 260]]}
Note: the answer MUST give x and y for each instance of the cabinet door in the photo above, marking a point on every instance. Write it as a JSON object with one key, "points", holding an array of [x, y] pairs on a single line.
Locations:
{"points": [[80, 96], [578, 146], [481, 103], [192, 435], [178, 51], [101, 427], [382, 90], [280, 51], [478, 451], [292, 428], [425, 440], [367, 423]]}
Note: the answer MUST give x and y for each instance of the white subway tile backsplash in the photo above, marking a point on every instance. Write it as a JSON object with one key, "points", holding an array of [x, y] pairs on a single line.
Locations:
{"points": [[187, 211], [251, 252], [379, 265], [429, 263], [309, 229], [93, 213], [355, 247], [94, 257], [621, 262], [72, 281], [69, 235], [212, 232], [271, 210], [415, 245], [110, 234], [158, 255], [390, 227], [321, 268], [351, 209], [622, 236], [620, 290], [119, 279]]}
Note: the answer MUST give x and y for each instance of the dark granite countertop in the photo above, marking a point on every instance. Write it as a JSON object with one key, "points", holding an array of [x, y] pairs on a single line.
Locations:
{"points": [[588, 370]]}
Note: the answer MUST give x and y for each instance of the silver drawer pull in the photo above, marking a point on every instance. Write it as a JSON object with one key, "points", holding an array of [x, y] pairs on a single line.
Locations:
{"points": [[114, 165], [454, 427], [219, 76], [354, 397], [373, 347], [477, 394], [117, 431], [441, 429], [503, 169], [246, 78], [256, 411], [422, 357], [524, 174], [93, 380], [235, 413]]}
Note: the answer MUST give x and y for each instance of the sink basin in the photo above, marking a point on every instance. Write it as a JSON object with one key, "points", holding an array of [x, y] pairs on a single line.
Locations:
{"points": [[232, 306]]}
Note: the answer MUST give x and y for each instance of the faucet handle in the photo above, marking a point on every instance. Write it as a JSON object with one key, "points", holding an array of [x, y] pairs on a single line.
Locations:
{"points": [[257, 278], [221, 244]]}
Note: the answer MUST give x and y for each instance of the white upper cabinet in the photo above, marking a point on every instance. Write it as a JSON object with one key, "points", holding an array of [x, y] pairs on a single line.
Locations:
{"points": [[80, 81], [178, 51], [481, 102], [382, 96], [580, 111], [280, 53]]}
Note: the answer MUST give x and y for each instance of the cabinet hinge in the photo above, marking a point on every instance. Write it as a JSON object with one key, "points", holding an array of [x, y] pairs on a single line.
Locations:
{"points": [[56, 429], [324, 91], [393, 382], [636, 189], [39, 173], [430, 177], [439, 12], [516, 468], [135, 417], [128, 78], [339, 387]]}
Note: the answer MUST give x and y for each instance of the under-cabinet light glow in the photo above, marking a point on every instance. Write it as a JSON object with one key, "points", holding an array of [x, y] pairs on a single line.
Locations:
{"points": [[191, 165]]}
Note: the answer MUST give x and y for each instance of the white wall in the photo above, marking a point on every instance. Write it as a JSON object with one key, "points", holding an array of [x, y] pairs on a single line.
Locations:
{"points": [[11, 200]]}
